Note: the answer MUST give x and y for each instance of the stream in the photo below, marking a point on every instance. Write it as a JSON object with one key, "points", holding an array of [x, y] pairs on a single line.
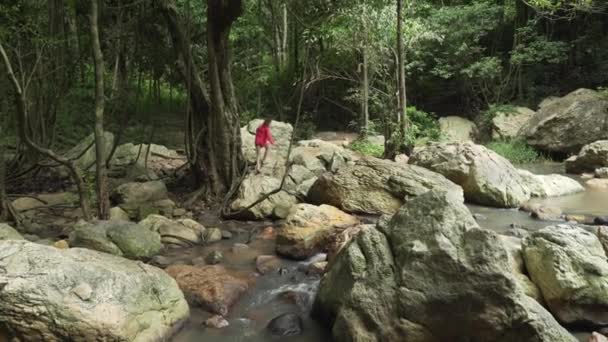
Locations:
{"points": [[266, 299]]}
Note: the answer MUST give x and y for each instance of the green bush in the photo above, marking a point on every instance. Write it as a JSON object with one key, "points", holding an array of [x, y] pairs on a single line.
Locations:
{"points": [[516, 151], [424, 127], [364, 147], [494, 109]]}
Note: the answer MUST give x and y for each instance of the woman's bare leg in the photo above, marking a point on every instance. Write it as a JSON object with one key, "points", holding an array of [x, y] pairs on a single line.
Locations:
{"points": [[266, 149], [258, 157]]}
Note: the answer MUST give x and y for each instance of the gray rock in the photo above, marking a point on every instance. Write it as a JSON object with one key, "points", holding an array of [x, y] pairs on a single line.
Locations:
{"points": [[85, 151], [568, 123], [411, 281], [117, 214], [569, 266], [602, 172], [486, 177], [289, 324], [375, 186], [591, 157], [549, 185], [182, 233], [252, 189], [214, 258], [507, 125], [281, 133], [83, 295], [132, 196], [212, 235], [457, 129], [9, 233]]}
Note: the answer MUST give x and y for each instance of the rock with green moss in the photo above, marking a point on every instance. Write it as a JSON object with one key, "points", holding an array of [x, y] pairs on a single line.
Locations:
{"points": [[117, 237], [430, 274], [569, 265], [49, 294]]}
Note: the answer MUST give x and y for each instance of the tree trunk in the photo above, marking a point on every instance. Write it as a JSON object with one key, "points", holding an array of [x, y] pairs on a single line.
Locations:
{"points": [[3, 199], [365, 82], [401, 70], [103, 201], [224, 159], [22, 120]]}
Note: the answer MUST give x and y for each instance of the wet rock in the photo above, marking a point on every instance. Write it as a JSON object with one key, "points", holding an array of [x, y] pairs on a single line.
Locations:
{"points": [[212, 235], [486, 177], [160, 261], [480, 217], [226, 235], [117, 214], [297, 298], [267, 233], [601, 220], [457, 129], [266, 264], [601, 172], [374, 186], [543, 213], [214, 258], [239, 247], [9, 233], [569, 266], [597, 337], [212, 287], [507, 124], [83, 295], [597, 184], [568, 123], [317, 268], [414, 274], [307, 229], [217, 322], [61, 244], [289, 324]]}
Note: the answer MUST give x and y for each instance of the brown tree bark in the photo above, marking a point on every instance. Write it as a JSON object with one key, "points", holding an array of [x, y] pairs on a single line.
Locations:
{"points": [[3, 199], [224, 160], [401, 71], [20, 105], [103, 201]]}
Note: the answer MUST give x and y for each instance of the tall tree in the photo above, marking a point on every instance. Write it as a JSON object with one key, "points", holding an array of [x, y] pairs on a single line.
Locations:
{"points": [[224, 159], [401, 72], [103, 202]]}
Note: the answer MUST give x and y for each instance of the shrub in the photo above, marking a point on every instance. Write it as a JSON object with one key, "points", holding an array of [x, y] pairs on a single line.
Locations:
{"points": [[364, 147], [516, 151]]}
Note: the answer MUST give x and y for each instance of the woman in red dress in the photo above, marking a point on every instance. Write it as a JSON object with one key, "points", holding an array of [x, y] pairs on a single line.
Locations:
{"points": [[263, 140]]}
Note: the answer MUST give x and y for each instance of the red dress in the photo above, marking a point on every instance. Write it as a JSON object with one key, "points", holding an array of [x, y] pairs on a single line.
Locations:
{"points": [[263, 136]]}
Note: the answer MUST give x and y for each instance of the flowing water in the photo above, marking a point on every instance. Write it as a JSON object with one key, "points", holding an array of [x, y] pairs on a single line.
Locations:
{"points": [[264, 301]]}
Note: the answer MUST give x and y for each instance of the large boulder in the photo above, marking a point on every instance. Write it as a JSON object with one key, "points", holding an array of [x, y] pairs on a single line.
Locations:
{"points": [[308, 227], [252, 189], [375, 186], [591, 157], [569, 266], [568, 123], [430, 274], [9, 233], [553, 185], [43, 200], [213, 288], [457, 129], [48, 294], [507, 124], [486, 177], [281, 132], [129, 153], [120, 238], [84, 154], [180, 233], [142, 199]]}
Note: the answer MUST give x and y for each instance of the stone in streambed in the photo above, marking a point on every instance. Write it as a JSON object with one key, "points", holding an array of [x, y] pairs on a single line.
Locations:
{"points": [[214, 258], [266, 264], [217, 322], [289, 324]]}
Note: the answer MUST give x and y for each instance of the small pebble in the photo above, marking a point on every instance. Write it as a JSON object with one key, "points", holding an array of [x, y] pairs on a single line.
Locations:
{"points": [[217, 322]]}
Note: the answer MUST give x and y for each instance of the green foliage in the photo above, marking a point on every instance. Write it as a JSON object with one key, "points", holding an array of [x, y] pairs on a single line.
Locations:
{"points": [[306, 128], [365, 147], [516, 151], [489, 114], [424, 127]]}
